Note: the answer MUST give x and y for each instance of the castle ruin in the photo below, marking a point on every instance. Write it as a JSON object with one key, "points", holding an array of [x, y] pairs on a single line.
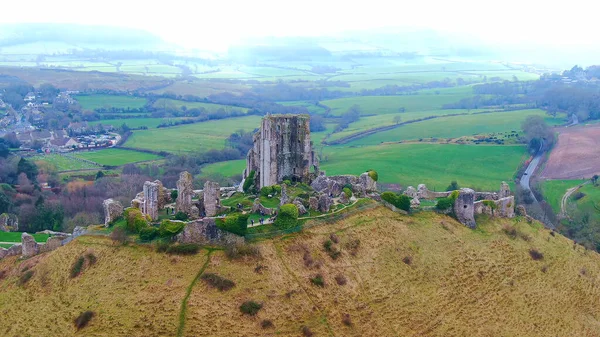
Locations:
{"points": [[282, 150]]}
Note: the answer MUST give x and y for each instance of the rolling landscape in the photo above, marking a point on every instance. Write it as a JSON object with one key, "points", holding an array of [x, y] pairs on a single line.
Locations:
{"points": [[295, 186]]}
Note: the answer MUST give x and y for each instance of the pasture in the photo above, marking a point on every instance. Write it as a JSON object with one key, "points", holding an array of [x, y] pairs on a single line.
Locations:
{"points": [[553, 191], [456, 126], [226, 168], [62, 162], [482, 167], [192, 137], [115, 156], [378, 105], [91, 102], [135, 123], [210, 107]]}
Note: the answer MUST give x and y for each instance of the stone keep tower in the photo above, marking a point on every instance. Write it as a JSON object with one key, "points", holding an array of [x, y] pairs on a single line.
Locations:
{"points": [[282, 149]]}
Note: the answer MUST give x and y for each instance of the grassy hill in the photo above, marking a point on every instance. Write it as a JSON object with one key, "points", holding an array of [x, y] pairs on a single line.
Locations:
{"points": [[420, 275]]}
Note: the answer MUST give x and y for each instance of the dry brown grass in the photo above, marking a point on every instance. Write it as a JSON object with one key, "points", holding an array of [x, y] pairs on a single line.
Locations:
{"points": [[460, 283]]}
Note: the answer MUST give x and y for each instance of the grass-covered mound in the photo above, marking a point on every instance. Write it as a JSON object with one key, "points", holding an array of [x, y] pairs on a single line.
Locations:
{"points": [[391, 275]]}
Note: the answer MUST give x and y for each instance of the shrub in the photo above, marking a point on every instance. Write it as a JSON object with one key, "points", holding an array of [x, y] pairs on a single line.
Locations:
{"points": [[119, 235], [341, 279], [334, 238], [77, 267], [306, 331], [347, 191], [25, 277], [287, 217], [148, 234], [287, 182], [217, 281], [83, 319], [181, 216], [578, 195], [510, 231], [174, 195], [250, 308], [347, 320], [92, 259], [136, 221], [266, 190], [183, 249], [353, 246], [453, 186], [333, 253], [236, 251], [235, 223], [266, 324], [249, 181], [169, 229], [373, 174], [536, 254], [407, 260], [400, 201], [276, 189], [318, 280], [161, 246], [444, 204]]}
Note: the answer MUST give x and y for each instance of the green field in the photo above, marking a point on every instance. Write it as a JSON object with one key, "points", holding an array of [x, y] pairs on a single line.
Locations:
{"points": [[456, 126], [482, 167], [194, 137], [225, 168], [208, 106], [135, 122], [91, 102], [16, 237], [63, 163], [378, 105], [116, 157], [554, 190]]}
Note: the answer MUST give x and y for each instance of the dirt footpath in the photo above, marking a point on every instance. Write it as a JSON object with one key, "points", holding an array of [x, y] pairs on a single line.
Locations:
{"points": [[577, 154]]}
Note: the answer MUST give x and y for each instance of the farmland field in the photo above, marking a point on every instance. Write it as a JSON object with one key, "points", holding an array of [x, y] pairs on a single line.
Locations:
{"points": [[436, 165], [208, 106], [91, 102], [63, 163], [135, 122], [225, 168], [116, 157], [576, 155], [377, 105], [554, 190], [194, 137], [456, 126], [478, 166]]}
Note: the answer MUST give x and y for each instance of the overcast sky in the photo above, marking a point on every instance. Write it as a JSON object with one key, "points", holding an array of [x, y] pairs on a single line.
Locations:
{"points": [[217, 23]]}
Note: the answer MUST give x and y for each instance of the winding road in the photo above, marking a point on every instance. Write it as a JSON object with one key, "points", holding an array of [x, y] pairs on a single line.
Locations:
{"points": [[565, 198], [525, 179]]}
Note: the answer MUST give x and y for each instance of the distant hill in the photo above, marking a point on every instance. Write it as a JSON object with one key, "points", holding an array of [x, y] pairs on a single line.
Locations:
{"points": [[420, 275], [78, 36]]}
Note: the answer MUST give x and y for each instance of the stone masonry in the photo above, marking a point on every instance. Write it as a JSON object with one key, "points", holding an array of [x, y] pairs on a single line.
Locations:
{"points": [[9, 222], [30, 247], [150, 202], [112, 210], [464, 207], [185, 191], [282, 149], [212, 198]]}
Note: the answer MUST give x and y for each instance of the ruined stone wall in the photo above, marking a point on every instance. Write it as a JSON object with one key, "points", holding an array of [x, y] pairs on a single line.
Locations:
{"points": [[112, 210], [502, 208], [212, 198], [185, 191], [150, 205], [282, 148], [205, 231], [464, 208]]}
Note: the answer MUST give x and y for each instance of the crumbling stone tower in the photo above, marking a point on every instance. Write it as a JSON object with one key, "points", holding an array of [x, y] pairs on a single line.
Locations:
{"points": [[282, 149], [464, 207]]}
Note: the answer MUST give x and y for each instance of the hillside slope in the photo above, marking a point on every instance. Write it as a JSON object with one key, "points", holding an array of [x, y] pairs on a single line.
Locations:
{"points": [[420, 275]]}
